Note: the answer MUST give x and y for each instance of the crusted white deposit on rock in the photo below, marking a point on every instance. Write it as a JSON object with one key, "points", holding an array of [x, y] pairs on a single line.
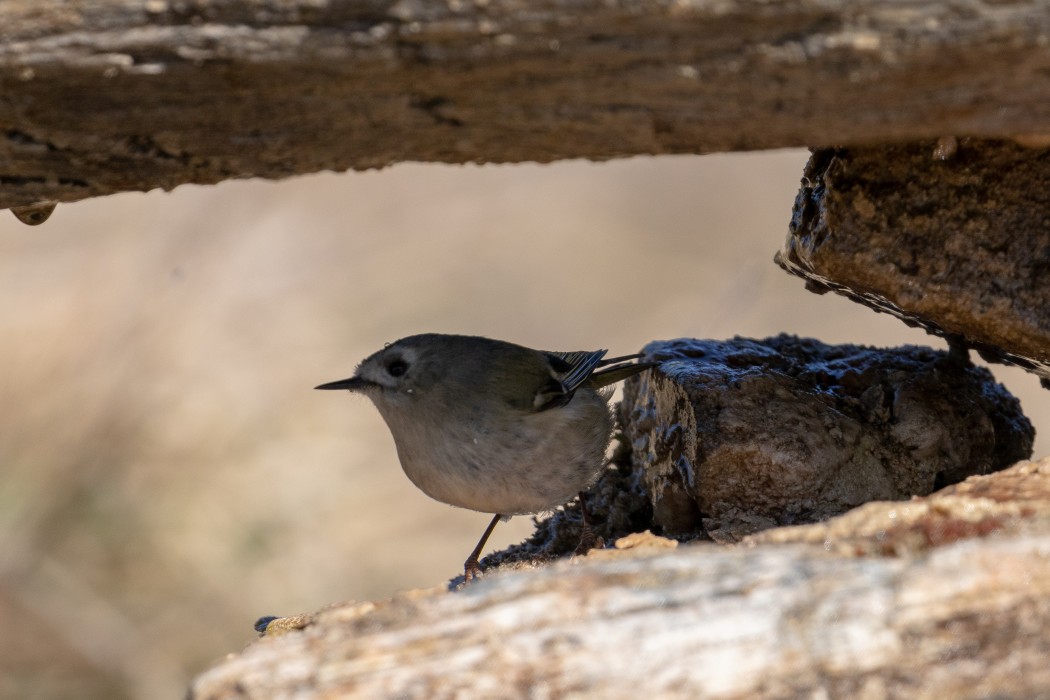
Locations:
{"points": [[958, 618]]}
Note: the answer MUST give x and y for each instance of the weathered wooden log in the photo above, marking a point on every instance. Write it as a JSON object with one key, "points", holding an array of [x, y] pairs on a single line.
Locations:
{"points": [[117, 95], [945, 617]]}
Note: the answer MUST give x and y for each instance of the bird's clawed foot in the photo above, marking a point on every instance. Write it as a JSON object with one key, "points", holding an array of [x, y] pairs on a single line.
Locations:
{"points": [[471, 569], [589, 539]]}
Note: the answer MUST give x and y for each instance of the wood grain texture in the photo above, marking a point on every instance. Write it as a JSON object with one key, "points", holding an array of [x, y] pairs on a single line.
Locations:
{"points": [[113, 95], [961, 614]]}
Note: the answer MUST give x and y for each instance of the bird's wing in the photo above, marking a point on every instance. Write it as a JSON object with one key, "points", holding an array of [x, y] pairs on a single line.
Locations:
{"points": [[568, 371], [576, 367]]}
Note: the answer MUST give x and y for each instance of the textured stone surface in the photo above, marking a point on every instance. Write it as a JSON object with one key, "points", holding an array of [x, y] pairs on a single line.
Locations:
{"points": [[954, 237], [951, 618], [114, 95], [742, 435]]}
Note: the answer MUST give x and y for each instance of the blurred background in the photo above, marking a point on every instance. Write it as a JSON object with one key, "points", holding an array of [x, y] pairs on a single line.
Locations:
{"points": [[169, 475]]}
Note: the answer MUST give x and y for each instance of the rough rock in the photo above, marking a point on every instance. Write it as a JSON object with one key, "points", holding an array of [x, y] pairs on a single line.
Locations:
{"points": [[742, 435], [115, 95], [952, 236], [960, 616]]}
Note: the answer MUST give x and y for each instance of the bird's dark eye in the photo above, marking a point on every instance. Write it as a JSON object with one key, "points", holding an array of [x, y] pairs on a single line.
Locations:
{"points": [[395, 368]]}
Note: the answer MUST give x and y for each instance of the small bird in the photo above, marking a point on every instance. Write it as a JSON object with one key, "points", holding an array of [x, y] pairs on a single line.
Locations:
{"points": [[492, 426]]}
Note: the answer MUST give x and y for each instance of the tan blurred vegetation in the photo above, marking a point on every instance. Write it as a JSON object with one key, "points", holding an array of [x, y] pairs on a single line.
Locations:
{"points": [[168, 473]]}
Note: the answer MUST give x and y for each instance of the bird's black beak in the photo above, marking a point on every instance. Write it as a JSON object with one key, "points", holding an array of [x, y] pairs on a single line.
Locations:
{"points": [[351, 384]]}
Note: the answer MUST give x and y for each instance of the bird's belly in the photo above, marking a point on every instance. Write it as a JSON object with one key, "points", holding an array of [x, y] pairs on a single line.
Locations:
{"points": [[526, 470]]}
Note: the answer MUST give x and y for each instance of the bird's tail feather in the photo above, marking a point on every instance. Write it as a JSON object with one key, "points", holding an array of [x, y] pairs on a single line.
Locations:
{"points": [[616, 373]]}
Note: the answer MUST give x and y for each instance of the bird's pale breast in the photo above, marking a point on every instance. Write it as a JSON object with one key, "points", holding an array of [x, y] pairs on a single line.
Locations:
{"points": [[510, 463]]}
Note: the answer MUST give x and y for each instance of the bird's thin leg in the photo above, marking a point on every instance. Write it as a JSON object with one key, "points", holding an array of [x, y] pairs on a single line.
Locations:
{"points": [[471, 568]]}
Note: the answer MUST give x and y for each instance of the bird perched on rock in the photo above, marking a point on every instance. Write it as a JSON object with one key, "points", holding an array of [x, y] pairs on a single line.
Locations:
{"points": [[492, 426]]}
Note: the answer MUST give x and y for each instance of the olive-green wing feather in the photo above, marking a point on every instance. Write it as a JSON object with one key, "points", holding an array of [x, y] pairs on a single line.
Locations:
{"points": [[578, 367], [571, 370]]}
